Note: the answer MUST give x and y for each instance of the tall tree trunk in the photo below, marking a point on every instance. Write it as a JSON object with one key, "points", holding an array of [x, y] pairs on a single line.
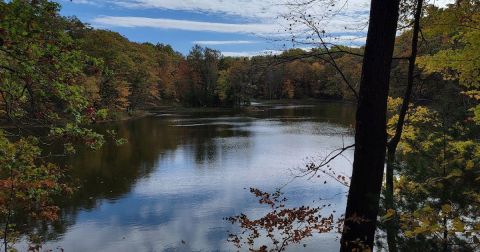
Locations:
{"points": [[370, 133], [393, 143]]}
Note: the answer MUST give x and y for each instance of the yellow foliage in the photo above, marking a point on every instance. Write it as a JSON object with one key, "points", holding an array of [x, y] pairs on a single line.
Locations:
{"points": [[458, 225], [390, 213], [446, 209]]}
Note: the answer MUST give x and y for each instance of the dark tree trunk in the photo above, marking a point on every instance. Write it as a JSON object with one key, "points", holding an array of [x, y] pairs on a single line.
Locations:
{"points": [[370, 132], [393, 143]]}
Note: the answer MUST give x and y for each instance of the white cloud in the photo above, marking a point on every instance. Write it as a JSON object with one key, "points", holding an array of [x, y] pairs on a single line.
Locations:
{"points": [[247, 8], [442, 3], [90, 2], [252, 53], [223, 42], [348, 40], [257, 16], [165, 23], [242, 8]]}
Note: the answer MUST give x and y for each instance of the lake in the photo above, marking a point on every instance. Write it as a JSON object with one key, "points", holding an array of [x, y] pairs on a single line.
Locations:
{"points": [[179, 175]]}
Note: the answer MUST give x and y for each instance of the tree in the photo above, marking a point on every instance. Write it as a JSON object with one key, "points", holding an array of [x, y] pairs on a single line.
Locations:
{"points": [[240, 83], [436, 190], [435, 198], [288, 89], [394, 141], [370, 130], [42, 84], [168, 63], [459, 25]]}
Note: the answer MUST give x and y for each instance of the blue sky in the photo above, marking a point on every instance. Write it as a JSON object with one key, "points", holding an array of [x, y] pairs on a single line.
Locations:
{"points": [[234, 27]]}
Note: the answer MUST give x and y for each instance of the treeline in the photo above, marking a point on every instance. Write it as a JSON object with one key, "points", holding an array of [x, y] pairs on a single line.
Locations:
{"points": [[130, 76]]}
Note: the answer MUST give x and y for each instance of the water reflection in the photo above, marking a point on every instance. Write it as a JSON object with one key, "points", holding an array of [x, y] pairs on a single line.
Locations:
{"points": [[179, 175]]}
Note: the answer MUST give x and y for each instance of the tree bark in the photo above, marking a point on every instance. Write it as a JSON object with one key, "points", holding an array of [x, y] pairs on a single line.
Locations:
{"points": [[391, 225], [370, 132]]}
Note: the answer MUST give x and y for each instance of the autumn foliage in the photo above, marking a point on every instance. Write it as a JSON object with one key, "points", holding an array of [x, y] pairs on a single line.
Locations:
{"points": [[281, 225]]}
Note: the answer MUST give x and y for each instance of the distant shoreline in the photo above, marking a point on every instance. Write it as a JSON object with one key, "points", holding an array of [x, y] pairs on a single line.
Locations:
{"points": [[256, 105]]}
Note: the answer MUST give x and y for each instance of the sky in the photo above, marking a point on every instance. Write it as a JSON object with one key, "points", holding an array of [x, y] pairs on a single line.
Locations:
{"points": [[234, 27]]}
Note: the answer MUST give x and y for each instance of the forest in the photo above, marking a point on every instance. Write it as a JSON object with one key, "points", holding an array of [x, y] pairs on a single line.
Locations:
{"points": [[59, 77]]}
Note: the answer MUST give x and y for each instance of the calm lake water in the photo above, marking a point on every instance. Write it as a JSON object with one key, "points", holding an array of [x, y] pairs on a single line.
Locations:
{"points": [[181, 174]]}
